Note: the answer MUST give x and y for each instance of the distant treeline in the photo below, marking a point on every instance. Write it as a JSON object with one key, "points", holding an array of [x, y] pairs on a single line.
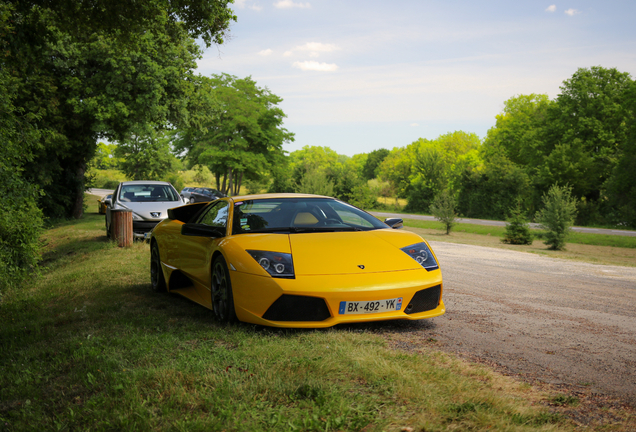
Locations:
{"points": [[584, 140]]}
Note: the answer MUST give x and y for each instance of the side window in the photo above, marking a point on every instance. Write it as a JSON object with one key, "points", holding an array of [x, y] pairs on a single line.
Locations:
{"points": [[216, 216]]}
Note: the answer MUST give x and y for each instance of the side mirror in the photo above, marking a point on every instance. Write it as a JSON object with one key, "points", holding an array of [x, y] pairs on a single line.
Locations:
{"points": [[395, 223], [107, 202], [202, 230]]}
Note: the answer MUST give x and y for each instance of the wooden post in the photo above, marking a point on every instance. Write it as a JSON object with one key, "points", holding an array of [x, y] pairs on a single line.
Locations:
{"points": [[121, 223]]}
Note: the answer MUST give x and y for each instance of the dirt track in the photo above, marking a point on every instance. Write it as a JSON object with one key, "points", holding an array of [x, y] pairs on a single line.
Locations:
{"points": [[569, 324]]}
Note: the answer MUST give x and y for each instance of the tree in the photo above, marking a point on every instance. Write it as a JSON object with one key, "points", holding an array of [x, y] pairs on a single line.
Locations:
{"points": [[490, 188], [245, 138], [83, 76], [315, 181], [374, 159], [443, 208], [517, 228], [557, 216], [435, 166], [146, 155]]}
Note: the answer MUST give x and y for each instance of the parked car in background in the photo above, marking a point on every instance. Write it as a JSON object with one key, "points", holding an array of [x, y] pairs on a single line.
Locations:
{"points": [[101, 203], [185, 193], [149, 201], [291, 260], [205, 195]]}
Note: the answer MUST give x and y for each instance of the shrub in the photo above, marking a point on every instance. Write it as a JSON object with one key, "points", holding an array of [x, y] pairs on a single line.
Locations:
{"points": [[557, 216], [443, 208], [517, 229]]}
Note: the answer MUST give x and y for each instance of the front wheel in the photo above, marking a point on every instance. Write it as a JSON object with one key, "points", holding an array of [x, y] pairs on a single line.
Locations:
{"points": [[192, 200], [157, 280], [222, 298]]}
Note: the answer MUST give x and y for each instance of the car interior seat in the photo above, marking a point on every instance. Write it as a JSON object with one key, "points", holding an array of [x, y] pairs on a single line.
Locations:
{"points": [[305, 218]]}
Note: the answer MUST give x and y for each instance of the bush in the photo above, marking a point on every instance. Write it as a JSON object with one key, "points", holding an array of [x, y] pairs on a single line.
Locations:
{"points": [[517, 229], [557, 216], [443, 208]]}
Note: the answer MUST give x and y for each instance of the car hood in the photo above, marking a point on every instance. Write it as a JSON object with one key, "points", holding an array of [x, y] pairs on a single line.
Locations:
{"points": [[156, 210], [352, 252]]}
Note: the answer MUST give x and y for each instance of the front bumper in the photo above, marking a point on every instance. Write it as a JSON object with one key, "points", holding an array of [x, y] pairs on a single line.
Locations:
{"points": [[141, 228], [313, 301]]}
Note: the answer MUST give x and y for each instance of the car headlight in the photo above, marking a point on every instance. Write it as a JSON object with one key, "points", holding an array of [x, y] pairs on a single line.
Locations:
{"points": [[277, 264], [421, 253]]}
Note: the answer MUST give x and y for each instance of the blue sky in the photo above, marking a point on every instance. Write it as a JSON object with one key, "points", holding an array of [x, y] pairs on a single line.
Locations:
{"points": [[356, 76]]}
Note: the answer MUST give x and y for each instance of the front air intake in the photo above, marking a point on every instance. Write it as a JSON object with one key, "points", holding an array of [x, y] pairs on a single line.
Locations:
{"points": [[424, 300], [297, 308]]}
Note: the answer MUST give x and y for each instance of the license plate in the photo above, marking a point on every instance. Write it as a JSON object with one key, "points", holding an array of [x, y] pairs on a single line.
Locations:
{"points": [[374, 306]]}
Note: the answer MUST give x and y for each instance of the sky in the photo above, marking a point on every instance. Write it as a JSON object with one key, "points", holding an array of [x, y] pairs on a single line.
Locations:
{"points": [[357, 76]]}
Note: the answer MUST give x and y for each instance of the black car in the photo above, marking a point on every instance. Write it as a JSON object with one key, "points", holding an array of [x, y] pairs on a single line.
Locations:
{"points": [[205, 194]]}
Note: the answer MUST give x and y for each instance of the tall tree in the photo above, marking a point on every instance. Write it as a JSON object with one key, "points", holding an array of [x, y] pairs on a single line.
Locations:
{"points": [[146, 155], [244, 139], [91, 69], [586, 128]]}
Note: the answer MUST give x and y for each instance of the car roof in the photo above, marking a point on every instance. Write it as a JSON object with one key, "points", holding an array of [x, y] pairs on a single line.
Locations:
{"points": [[277, 196], [150, 182]]}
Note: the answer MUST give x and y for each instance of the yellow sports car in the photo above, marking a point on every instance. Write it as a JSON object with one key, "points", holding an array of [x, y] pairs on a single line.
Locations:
{"points": [[292, 260], [101, 203]]}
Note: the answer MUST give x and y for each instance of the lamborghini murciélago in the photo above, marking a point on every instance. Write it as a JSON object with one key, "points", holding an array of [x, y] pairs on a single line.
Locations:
{"points": [[293, 260]]}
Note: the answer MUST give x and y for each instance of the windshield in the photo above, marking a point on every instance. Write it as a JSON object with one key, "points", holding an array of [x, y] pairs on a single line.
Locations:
{"points": [[296, 215], [148, 193]]}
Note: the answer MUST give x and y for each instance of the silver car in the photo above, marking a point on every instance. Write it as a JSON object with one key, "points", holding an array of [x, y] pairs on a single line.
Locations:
{"points": [[149, 201]]}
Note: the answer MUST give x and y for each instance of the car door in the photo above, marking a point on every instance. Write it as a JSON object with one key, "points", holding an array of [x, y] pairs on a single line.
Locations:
{"points": [[194, 258]]}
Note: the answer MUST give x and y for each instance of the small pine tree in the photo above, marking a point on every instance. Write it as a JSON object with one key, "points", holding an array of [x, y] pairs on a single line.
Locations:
{"points": [[517, 228], [443, 208], [557, 216]]}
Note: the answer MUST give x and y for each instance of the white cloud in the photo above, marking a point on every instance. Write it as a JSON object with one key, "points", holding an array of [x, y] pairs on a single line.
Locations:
{"points": [[240, 4], [287, 4], [572, 12], [265, 52], [414, 124], [314, 48], [315, 66], [551, 8]]}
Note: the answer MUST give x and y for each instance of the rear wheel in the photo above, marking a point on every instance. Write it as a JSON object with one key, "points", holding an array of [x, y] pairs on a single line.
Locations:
{"points": [[157, 280], [222, 298]]}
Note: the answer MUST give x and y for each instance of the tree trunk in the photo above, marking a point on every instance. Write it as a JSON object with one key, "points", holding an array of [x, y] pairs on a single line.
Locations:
{"points": [[229, 187], [238, 182], [78, 203], [224, 180]]}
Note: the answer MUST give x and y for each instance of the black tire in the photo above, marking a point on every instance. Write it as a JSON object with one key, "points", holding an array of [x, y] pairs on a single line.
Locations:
{"points": [[221, 292], [157, 280], [192, 200]]}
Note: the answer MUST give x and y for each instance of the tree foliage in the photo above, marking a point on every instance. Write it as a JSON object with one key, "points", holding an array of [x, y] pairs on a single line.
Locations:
{"points": [[21, 220], [146, 155], [443, 209], [83, 76], [245, 138], [517, 229], [373, 161], [557, 215]]}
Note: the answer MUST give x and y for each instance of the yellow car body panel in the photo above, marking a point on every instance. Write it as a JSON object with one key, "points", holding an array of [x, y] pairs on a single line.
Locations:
{"points": [[337, 267]]}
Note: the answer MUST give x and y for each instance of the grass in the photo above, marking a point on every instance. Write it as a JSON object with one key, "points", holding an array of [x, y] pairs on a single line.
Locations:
{"points": [[89, 347], [592, 248]]}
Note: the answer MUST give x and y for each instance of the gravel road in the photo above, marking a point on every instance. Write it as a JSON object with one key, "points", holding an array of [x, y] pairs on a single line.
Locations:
{"points": [[568, 324]]}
